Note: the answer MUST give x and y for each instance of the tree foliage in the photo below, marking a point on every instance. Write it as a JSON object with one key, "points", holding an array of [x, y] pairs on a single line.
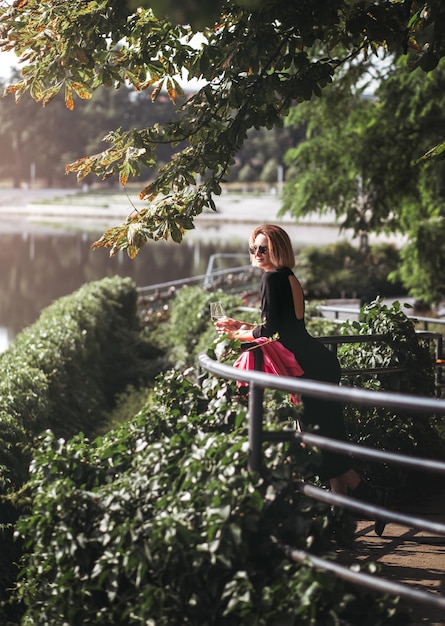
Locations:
{"points": [[362, 159], [258, 58], [47, 138]]}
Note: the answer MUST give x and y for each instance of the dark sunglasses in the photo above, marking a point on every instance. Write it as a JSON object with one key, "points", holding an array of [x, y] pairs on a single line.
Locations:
{"points": [[261, 249]]}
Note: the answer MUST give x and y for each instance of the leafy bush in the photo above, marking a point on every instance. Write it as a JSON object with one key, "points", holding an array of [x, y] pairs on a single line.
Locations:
{"points": [[377, 427], [63, 373], [402, 347], [341, 270], [190, 330], [160, 523], [399, 431], [317, 325]]}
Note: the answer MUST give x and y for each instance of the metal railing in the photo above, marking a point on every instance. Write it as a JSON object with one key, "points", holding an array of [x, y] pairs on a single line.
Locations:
{"points": [[258, 381], [436, 337], [191, 280], [335, 340], [349, 311], [211, 272]]}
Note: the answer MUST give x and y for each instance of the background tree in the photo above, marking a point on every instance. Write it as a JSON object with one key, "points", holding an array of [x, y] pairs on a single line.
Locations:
{"points": [[258, 59], [50, 138], [47, 139], [362, 159], [261, 148], [17, 126]]}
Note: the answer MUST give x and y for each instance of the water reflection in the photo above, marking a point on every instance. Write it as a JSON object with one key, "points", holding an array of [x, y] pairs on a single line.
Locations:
{"points": [[38, 268]]}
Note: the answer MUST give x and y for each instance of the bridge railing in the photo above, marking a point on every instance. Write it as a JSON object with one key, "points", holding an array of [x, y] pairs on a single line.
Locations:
{"points": [[338, 310], [257, 435]]}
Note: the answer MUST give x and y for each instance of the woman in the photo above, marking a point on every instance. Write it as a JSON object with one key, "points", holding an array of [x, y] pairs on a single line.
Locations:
{"points": [[282, 309]]}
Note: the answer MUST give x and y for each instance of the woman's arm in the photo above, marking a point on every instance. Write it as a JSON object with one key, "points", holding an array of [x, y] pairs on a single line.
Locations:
{"points": [[270, 308], [235, 329]]}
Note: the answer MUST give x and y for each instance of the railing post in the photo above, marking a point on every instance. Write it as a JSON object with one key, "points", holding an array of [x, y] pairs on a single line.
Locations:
{"points": [[439, 357], [256, 395]]}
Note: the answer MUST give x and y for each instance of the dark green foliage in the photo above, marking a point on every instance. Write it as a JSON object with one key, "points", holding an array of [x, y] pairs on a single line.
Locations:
{"points": [[342, 270], [254, 62], [361, 160], [424, 259], [380, 428], [63, 373], [160, 522], [402, 346], [398, 431], [190, 329]]}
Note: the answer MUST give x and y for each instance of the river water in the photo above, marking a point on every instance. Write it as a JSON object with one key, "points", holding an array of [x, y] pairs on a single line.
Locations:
{"points": [[36, 268], [45, 249]]}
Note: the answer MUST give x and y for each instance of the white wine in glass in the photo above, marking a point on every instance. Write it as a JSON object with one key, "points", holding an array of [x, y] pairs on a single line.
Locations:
{"points": [[217, 311]]}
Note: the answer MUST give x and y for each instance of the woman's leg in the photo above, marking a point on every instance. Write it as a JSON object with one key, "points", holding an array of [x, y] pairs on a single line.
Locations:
{"points": [[362, 490], [348, 480]]}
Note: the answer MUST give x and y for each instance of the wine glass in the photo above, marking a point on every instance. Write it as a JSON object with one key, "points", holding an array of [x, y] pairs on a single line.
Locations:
{"points": [[217, 311]]}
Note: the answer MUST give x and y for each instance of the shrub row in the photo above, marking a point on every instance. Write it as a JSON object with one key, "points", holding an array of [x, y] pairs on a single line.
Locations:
{"points": [[63, 373], [341, 270], [159, 522]]}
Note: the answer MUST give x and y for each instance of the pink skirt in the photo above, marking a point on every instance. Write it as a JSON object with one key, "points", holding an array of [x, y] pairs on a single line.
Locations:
{"points": [[277, 360]]}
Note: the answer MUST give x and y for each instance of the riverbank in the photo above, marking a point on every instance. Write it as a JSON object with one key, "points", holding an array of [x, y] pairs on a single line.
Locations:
{"points": [[237, 213]]}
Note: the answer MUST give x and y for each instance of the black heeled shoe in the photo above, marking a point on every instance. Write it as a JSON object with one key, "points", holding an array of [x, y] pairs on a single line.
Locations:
{"points": [[383, 499], [380, 496]]}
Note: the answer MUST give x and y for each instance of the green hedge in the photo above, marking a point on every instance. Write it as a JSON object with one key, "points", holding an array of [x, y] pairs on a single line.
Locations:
{"points": [[160, 522], [341, 270], [62, 374], [189, 329]]}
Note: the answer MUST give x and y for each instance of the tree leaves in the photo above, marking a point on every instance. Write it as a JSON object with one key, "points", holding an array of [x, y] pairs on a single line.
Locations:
{"points": [[373, 169], [257, 60], [434, 153]]}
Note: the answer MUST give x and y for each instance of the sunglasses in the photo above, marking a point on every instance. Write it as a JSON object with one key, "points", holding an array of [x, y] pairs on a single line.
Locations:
{"points": [[261, 249]]}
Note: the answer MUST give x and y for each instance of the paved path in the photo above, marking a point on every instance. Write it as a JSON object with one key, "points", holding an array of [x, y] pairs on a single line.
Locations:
{"points": [[413, 557]]}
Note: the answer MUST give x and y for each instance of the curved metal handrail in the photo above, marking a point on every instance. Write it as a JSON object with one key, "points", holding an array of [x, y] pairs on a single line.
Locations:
{"points": [[258, 381], [324, 390]]}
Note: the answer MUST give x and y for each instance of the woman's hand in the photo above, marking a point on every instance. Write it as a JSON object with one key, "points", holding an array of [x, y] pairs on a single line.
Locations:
{"points": [[234, 329], [227, 325]]}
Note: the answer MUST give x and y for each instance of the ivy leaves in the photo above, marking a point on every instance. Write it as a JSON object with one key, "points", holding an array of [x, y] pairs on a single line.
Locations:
{"points": [[161, 521]]}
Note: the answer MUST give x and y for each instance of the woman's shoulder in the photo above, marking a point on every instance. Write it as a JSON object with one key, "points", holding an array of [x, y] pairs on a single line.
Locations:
{"points": [[276, 279], [277, 274]]}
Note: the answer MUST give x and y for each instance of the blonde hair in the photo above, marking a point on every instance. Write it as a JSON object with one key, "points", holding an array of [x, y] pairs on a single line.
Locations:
{"points": [[279, 244]]}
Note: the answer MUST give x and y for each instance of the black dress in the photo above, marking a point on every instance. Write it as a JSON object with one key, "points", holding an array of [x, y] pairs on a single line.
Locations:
{"points": [[324, 417]]}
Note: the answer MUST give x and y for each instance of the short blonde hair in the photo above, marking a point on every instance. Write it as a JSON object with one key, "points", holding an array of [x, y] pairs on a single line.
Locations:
{"points": [[280, 248]]}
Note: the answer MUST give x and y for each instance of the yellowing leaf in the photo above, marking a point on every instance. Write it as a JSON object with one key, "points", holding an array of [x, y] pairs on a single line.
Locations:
{"points": [[132, 251], [124, 173], [155, 92], [18, 89], [69, 100], [14, 88], [135, 236], [49, 94], [36, 90], [436, 151], [147, 193], [171, 93], [81, 90]]}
